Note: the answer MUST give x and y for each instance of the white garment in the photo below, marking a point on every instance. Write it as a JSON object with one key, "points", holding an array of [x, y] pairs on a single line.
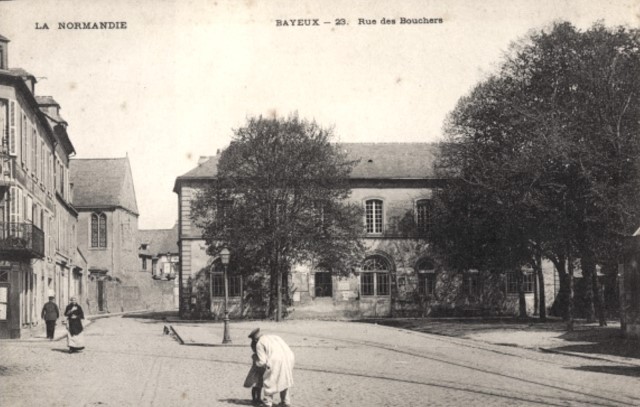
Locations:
{"points": [[277, 357], [75, 341]]}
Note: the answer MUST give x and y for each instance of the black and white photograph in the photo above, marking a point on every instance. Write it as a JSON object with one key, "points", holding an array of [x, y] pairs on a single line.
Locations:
{"points": [[319, 203]]}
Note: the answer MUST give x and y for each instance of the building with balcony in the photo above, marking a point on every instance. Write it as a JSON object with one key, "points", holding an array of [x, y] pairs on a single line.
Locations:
{"points": [[399, 276], [38, 251]]}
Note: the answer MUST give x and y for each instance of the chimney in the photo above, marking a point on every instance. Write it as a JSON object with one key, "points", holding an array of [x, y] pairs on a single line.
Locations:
{"points": [[202, 159], [4, 53]]}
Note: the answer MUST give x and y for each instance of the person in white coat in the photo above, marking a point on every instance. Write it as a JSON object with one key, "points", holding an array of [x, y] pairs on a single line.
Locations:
{"points": [[277, 358]]}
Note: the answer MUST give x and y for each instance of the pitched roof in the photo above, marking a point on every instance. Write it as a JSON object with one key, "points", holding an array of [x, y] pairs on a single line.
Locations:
{"points": [[160, 241], [391, 160], [21, 73], [46, 101], [103, 183], [3, 38], [376, 161]]}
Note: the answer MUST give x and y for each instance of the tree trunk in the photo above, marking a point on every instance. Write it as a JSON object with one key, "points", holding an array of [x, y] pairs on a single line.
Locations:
{"points": [[536, 298], [569, 318], [588, 271], [521, 297], [279, 296], [561, 301], [598, 299], [542, 298]]}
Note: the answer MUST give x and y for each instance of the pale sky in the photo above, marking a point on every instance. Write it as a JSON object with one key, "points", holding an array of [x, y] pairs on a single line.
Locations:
{"points": [[172, 85]]}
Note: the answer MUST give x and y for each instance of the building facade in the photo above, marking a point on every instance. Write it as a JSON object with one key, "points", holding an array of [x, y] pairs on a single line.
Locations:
{"points": [[104, 196], [399, 276], [38, 250], [159, 257], [158, 253]]}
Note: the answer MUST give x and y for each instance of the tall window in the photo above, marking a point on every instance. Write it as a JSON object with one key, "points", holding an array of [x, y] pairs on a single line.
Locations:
{"points": [[424, 209], [472, 284], [217, 285], [426, 277], [323, 284], [373, 214], [98, 230], [512, 282], [374, 279]]}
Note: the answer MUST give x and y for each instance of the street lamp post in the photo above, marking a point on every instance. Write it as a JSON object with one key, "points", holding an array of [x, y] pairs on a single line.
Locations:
{"points": [[225, 254]]}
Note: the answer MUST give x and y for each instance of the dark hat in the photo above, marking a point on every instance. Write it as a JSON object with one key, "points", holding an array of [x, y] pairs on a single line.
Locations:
{"points": [[255, 334]]}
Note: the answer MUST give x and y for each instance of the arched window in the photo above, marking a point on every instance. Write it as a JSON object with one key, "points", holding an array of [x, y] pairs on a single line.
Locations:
{"points": [[426, 277], [98, 230], [373, 215], [374, 279]]}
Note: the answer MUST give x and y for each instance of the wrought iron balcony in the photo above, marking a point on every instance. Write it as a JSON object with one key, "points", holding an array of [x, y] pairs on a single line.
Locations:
{"points": [[22, 240]]}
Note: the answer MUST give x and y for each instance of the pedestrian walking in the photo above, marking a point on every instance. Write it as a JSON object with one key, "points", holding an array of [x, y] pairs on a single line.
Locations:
{"points": [[254, 378], [50, 314], [276, 357], [75, 315]]}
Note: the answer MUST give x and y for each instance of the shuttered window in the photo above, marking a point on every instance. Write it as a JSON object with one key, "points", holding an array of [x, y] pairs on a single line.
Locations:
{"points": [[12, 127]]}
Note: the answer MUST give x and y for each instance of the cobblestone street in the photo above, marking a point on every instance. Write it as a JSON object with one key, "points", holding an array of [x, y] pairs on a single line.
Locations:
{"points": [[132, 362]]}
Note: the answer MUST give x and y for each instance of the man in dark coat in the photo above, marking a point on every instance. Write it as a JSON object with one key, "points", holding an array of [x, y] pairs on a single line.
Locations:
{"points": [[50, 314]]}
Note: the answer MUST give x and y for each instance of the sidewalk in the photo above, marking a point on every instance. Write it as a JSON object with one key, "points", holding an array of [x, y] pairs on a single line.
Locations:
{"points": [[61, 330], [588, 341]]}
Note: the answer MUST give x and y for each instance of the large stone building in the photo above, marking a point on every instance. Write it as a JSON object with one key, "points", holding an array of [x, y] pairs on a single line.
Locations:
{"points": [[38, 251], [394, 183]]}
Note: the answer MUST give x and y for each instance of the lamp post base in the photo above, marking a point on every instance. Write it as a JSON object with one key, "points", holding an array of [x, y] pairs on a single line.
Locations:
{"points": [[227, 337]]}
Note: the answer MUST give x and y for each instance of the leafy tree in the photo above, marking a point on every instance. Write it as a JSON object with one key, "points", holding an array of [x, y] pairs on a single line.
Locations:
{"points": [[279, 199], [549, 148]]}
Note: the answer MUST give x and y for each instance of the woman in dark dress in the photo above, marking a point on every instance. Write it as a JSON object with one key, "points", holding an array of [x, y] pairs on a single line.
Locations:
{"points": [[75, 315]]}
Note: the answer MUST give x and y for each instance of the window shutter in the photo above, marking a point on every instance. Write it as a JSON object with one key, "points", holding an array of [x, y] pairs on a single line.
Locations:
{"points": [[20, 206], [23, 140], [12, 127], [13, 211]]}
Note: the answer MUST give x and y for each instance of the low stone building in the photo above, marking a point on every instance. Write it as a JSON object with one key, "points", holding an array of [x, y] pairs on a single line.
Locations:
{"points": [[399, 276]]}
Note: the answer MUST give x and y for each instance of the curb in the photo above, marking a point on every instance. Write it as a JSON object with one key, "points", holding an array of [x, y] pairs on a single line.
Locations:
{"points": [[583, 356], [176, 334], [115, 314]]}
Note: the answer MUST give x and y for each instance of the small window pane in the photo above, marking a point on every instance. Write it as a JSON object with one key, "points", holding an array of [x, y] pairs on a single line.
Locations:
{"points": [[382, 283]]}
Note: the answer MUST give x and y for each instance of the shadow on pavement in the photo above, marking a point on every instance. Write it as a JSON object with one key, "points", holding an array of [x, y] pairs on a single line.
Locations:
{"points": [[633, 371], [60, 350], [237, 402], [606, 342], [586, 338]]}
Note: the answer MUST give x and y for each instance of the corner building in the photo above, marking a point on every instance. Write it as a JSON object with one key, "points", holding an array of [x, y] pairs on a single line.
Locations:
{"points": [[38, 250]]}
